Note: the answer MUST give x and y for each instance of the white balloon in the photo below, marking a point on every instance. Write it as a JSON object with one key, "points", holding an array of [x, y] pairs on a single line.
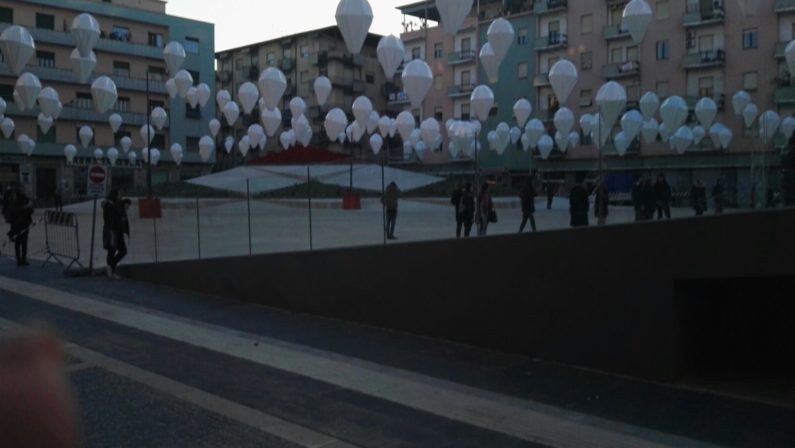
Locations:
{"points": [[417, 80], [272, 85], [481, 101], [18, 101], [354, 18], [159, 117], [206, 148], [132, 157], [750, 113], [222, 98], [564, 121], [563, 77], [271, 120], [674, 112], [622, 143], [28, 86], [126, 143], [85, 30], [600, 130], [147, 134], [535, 130], [229, 144], [490, 62], [18, 47], [493, 140], [372, 122], [192, 97], [706, 111], [57, 112], [248, 95], [521, 111], [255, 134], [769, 123], [422, 150], [184, 81], [45, 123], [26, 145], [244, 145], [516, 134], [203, 93], [174, 55], [86, 134], [725, 137], [391, 52], [3, 106], [740, 100], [99, 154], [113, 156], [69, 151], [336, 122], [682, 139], [430, 130], [788, 127], [611, 100], [376, 142], [7, 126], [297, 106], [545, 146], [698, 135], [650, 130], [384, 126], [586, 124], [362, 107], [48, 101], [562, 141], [171, 88], [636, 18], [453, 13], [115, 121], [231, 113], [649, 104], [176, 153], [406, 125], [285, 139], [103, 90], [631, 124], [154, 156], [322, 90], [574, 140], [665, 132], [214, 126], [500, 35]]}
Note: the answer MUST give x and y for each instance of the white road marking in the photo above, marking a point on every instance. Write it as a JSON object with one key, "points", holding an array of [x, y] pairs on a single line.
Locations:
{"points": [[495, 412], [269, 424]]}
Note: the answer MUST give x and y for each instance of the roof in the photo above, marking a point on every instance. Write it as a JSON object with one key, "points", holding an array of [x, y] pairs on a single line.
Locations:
{"points": [[372, 39]]}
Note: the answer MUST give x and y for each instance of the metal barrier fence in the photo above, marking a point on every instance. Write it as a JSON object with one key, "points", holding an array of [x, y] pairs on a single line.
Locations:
{"points": [[62, 238]]}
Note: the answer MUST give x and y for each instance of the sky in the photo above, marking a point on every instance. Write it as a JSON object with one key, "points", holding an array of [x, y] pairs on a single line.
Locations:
{"points": [[243, 22]]}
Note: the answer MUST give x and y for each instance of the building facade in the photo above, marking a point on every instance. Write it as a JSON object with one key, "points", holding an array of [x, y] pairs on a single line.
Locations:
{"points": [[129, 51], [693, 48], [303, 58]]}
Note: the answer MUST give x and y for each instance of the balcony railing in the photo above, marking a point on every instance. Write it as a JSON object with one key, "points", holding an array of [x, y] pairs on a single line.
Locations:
{"points": [[697, 17], [77, 112], [719, 98], [621, 70], [461, 57], [549, 6], [399, 98], [784, 95], [778, 53], [541, 80], [702, 59], [552, 41], [460, 90], [783, 6], [68, 77], [611, 32]]}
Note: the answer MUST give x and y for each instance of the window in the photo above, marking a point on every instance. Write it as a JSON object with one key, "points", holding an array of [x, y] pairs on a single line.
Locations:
{"points": [[45, 59], [706, 87], [663, 52], [662, 10], [193, 112], [438, 113], [303, 76], [522, 36], [438, 82], [157, 73], [121, 68], [369, 78], [156, 40], [7, 92], [751, 81], [196, 77], [554, 31], [49, 137], [465, 111], [616, 55], [122, 104], [466, 44], [466, 78], [662, 89], [586, 60], [159, 141], [633, 54], [304, 51], [192, 144], [586, 23], [288, 53], [45, 21], [438, 51], [83, 101], [521, 70], [120, 33], [750, 39], [6, 15], [706, 43], [415, 53], [191, 45], [270, 59], [586, 98]]}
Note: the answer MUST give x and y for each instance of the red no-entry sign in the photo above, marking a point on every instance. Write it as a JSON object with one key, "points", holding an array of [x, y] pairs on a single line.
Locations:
{"points": [[97, 184]]}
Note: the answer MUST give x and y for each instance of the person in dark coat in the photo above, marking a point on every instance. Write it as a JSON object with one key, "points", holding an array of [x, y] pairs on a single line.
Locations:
{"points": [[649, 201], [698, 197], [662, 197], [602, 203], [528, 199], [391, 204], [455, 199], [485, 209], [551, 190], [467, 209], [113, 231], [8, 194], [57, 200], [579, 204], [637, 198], [719, 196], [20, 216]]}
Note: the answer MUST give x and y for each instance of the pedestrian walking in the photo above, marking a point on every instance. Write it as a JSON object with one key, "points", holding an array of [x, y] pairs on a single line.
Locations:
{"points": [[19, 215], [467, 209], [649, 200], [662, 197], [58, 200], [637, 198], [719, 196], [528, 200], [602, 203], [455, 199], [115, 225], [551, 190], [391, 203], [698, 197], [579, 204], [486, 212]]}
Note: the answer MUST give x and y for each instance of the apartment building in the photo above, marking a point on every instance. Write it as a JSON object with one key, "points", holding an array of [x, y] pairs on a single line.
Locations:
{"points": [[133, 33], [693, 48], [303, 58]]}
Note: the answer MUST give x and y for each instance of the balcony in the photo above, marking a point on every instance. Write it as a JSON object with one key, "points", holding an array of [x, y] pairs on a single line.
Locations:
{"points": [[323, 57], [698, 17], [543, 7], [68, 77], [778, 53], [615, 32], [71, 113], [610, 148], [719, 98], [623, 70], [460, 90], [461, 57], [784, 95], [704, 59], [553, 41], [398, 98], [784, 6], [541, 80]]}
